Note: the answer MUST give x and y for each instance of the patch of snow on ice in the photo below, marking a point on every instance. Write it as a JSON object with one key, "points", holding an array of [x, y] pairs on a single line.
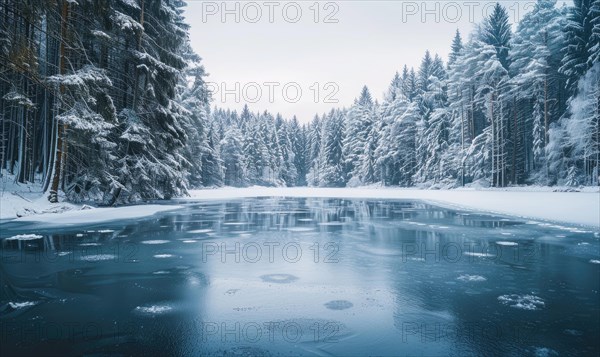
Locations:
{"points": [[466, 277], [201, 231], [480, 255], [20, 305], [25, 237], [524, 302], [153, 309], [509, 244], [545, 352], [300, 229], [416, 259], [155, 241], [595, 261], [97, 215], [163, 256], [105, 231], [98, 257]]}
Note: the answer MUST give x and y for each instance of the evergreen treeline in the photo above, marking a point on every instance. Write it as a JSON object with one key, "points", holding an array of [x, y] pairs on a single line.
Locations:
{"points": [[105, 100], [506, 109]]}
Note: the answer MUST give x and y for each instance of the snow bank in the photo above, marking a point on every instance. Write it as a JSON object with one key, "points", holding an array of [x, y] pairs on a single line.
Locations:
{"points": [[538, 203], [15, 204], [97, 215]]}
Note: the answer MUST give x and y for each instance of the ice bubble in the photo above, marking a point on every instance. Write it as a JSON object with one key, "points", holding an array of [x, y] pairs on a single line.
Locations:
{"points": [[339, 305]]}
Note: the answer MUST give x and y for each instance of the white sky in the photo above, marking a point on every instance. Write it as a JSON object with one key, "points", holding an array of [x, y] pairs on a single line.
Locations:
{"points": [[368, 43]]}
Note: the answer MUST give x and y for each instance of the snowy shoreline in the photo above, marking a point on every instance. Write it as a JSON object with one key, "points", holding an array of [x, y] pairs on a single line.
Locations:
{"points": [[541, 203]]}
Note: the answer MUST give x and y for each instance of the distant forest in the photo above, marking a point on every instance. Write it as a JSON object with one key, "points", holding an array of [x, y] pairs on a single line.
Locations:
{"points": [[106, 102]]}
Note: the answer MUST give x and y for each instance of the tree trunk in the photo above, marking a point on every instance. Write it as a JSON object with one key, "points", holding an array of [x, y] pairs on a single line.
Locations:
{"points": [[60, 144]]}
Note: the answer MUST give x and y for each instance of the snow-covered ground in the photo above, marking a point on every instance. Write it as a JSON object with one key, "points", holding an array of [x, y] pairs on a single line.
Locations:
{"points": [[96, 215], [582, 208], [20, 200], [26, 203]]}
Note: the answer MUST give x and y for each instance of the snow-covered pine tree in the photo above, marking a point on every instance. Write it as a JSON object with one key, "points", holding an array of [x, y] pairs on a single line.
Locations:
{"points": [[330, 155], [581, 41], [358, 126], [457, 46]]}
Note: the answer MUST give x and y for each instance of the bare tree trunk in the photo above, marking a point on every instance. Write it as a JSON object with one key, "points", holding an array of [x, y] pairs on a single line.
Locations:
{"points": [[60, 144]]}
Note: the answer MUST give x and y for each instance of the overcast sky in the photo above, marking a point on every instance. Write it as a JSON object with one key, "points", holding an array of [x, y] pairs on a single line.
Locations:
{"points": [[262, 53]]}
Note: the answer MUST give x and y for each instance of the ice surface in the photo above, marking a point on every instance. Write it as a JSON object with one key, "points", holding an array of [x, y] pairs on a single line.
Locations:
{"points": [[155, 241]]}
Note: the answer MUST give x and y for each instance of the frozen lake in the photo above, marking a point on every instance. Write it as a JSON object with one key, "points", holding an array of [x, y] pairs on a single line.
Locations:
{"points": [[274, 276]]}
